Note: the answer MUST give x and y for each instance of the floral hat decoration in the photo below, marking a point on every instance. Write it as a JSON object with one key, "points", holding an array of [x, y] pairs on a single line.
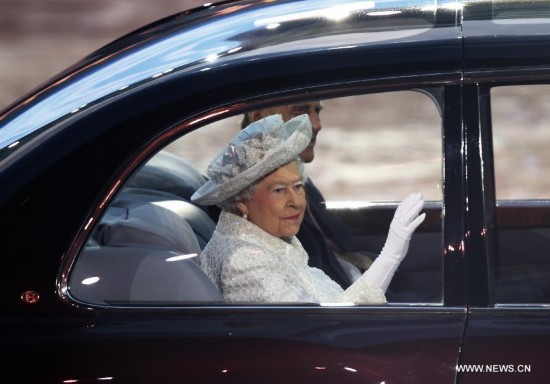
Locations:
{"points": [[260, 148]]}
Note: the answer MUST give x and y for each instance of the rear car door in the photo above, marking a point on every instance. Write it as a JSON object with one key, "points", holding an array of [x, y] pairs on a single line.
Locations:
{"points": [[506, 97]]}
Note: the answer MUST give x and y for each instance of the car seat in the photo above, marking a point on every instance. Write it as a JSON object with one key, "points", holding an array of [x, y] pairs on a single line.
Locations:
{"points": [[141, 252]]}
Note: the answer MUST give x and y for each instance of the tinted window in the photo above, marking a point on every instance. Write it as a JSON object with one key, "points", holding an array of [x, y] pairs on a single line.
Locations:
{"points": [[520, 116]]}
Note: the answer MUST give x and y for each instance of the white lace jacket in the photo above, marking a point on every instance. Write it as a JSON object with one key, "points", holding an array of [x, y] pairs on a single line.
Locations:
{"points": [[250, 265]]}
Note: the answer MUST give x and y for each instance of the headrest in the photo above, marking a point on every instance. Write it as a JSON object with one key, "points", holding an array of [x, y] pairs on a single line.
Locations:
{"points": [[147, 224]]}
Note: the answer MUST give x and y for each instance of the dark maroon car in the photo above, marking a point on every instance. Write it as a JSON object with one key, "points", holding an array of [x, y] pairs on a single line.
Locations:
{"points": [[448, 98]]}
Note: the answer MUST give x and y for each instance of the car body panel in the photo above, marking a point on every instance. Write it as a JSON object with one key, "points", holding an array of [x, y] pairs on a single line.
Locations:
{"points": [[505, 345], [240, 345]]}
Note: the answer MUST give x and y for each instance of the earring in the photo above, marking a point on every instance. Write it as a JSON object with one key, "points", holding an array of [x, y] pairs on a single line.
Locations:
{"points": [[245, 216]]}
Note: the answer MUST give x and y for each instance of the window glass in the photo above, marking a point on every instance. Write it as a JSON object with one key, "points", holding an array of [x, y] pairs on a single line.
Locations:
{"points": [[371, 152], [520, 144], [382, 145]]}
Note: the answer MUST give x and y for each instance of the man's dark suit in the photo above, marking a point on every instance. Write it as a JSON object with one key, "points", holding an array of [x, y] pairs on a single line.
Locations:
{"points": [[318, 226]]}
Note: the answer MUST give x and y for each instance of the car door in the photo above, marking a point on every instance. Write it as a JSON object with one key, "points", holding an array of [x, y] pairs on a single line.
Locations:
{"points": [[125, 104], [414, 338], [126, 337], [507, 79], [508, 328]]}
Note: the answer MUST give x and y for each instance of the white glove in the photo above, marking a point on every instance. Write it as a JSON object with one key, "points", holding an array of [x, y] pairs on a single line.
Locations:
{"points": [[404, 223]]}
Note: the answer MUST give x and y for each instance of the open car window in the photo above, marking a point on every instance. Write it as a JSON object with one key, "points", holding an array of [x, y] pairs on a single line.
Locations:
{"points": [[372, 151]]}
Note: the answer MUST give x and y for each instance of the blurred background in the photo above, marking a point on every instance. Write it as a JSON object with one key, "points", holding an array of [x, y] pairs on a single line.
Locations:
{"points": [[40, 38]]}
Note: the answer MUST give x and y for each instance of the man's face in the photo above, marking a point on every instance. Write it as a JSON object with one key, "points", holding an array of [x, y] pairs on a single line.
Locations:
{"points": [[278, 202], [312, 109]]}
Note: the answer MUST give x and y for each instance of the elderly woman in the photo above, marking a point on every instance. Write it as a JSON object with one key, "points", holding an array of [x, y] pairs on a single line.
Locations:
{"points": [[253, 255]]}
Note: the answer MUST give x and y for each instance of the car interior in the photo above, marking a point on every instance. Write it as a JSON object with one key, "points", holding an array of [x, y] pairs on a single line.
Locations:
{"points": [[145, 248], [153, 221]]}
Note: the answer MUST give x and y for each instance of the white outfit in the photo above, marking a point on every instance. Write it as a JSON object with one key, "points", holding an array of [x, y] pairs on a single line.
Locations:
{"points": [[250, 265], [247, 263]]}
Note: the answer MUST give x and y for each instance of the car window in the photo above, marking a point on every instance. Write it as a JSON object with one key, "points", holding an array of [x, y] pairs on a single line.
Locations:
{"points": [[371, 152], [520, 118]]}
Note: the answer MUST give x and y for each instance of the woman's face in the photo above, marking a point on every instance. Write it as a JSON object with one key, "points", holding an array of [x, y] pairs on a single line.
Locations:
{"points": [[278, 202]]}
